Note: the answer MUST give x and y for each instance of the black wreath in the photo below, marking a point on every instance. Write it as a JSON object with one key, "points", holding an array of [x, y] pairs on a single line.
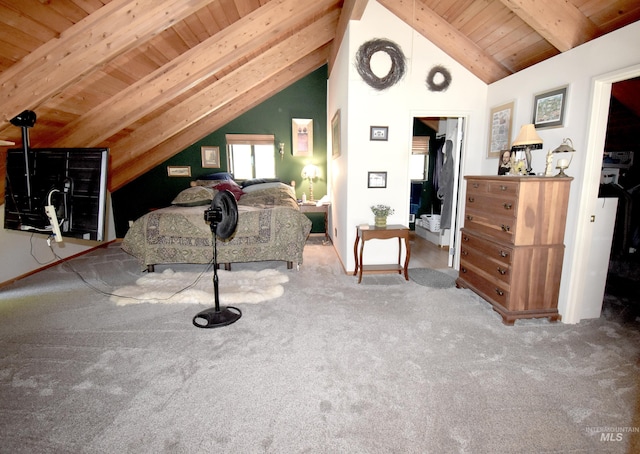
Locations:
{"points": [[363, 63], [446, 75]]}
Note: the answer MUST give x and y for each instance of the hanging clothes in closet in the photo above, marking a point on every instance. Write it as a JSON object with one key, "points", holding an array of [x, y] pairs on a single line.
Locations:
{"points": [[445, 184]]}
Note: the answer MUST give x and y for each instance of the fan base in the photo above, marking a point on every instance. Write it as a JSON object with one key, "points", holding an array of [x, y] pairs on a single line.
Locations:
{"points": [[212, 318]]}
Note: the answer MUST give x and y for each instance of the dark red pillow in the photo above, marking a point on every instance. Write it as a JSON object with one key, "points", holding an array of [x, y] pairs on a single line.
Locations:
{"points": [[231, 187]]}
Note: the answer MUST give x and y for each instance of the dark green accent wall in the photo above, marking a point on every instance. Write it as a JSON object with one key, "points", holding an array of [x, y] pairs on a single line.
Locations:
{"points": [[306, 98]]}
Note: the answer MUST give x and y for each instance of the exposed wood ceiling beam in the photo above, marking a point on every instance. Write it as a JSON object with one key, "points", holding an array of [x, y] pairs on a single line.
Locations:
{"points": [[115, 28], [233, 43], [224, 91], [161, 152], [455, 44], [559, 22], [351, 10]]}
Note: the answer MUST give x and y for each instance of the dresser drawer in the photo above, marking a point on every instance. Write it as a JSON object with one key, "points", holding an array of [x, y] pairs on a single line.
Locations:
{"points": [[491, 291], [492, 187], [504, 205], [499, 228], [496, 251]]}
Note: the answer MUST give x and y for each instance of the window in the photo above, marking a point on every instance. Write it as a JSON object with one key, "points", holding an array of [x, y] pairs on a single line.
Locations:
{"points": [[251, 156], [419, 160]]}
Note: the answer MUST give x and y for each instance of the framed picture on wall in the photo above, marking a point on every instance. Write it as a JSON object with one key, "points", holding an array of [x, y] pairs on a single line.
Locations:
{"points": [[179, 171], [500, 127], [335, 135], [379, 133], [377, 180], [210, 157], [302, 137], [549, 107]]}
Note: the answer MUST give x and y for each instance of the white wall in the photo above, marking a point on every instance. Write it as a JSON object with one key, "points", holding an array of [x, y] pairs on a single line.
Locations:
{"points": [[580, 68], [23, 252], [395, 108]]}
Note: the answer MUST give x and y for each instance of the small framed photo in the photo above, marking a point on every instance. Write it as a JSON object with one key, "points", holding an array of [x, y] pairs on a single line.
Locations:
{"points": [[500, 125], [379, 133], [377, 180], [210, 157], [179, 171], [504, 163], [549, 108]]}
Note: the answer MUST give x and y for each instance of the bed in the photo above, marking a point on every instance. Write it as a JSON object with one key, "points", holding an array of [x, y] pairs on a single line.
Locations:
{"points": [[270, 227]]}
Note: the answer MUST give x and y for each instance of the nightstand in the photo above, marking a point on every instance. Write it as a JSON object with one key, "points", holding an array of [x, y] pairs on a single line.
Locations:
{"points": [[371, 232], [311, 207]]}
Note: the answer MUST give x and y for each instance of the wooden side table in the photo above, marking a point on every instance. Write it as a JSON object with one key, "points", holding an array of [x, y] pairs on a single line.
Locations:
{"points": [[368, 232], [313, 208]]}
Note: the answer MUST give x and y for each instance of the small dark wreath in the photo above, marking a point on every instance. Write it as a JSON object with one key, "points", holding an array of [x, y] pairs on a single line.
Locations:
{"points": [[363, 63], [446, 78]]}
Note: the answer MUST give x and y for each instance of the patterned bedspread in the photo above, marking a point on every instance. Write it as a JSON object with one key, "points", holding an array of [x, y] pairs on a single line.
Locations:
{"points": [[270, 227]]}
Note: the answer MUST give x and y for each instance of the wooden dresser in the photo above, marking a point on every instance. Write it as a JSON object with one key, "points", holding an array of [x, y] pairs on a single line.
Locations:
{"points": [[512, 243]]}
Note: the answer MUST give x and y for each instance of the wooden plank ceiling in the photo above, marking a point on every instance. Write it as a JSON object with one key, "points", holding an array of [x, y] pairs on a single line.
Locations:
{"points": [[148, 78]]}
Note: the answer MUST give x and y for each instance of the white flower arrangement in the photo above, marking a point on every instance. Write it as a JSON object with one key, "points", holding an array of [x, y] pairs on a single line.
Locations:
{"points": [[382, 210]]}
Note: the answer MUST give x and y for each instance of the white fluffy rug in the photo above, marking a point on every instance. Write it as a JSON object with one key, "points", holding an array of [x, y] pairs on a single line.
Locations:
{"points": [[171, 287]]}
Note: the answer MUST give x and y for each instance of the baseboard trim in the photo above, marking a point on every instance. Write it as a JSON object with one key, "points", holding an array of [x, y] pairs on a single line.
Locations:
{"points": [[32, 272]]}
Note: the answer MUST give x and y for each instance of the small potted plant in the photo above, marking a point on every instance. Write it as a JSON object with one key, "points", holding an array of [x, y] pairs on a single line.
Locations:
{"points": [[381, 212]]}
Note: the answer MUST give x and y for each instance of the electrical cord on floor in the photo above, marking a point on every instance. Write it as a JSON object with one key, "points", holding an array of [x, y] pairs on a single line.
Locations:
{"points": [[67, 263]]}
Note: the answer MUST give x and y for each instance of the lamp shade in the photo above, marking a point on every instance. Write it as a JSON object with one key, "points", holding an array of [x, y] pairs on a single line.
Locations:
{"points": [[565, 147], [527, 136], [310, 171]]}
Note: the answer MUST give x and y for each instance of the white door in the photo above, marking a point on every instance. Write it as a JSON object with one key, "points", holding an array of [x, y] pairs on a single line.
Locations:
{"points": [[457, 135]]}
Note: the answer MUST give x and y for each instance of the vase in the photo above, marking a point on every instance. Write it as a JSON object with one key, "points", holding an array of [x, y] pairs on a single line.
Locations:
{"points": [[381, 221]]}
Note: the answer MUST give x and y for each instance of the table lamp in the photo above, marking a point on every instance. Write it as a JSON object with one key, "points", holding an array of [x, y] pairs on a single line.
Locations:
{"points": [[310, 172], [527, 140]]}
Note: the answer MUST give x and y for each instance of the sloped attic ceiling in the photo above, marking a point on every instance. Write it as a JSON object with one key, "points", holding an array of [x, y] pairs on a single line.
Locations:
{"points": [[147, 78]]}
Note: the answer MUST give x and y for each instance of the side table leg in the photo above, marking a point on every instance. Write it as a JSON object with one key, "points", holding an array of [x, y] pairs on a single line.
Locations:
{"points": [[407, 246], [361, 265], [399, 252], [355, 253]]}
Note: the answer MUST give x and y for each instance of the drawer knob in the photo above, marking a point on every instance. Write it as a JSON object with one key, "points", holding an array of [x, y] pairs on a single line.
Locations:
{"points": [[471, 199], [469, 217], [464, 270], [464, 252], [504, 254], [465, 238], [499, 292], [476, 185], [503, 188], [505, 228], [507, 206], [502, 271]]}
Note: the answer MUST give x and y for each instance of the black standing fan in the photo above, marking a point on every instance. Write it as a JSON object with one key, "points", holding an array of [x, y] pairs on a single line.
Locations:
{"points": [[223, 219]]}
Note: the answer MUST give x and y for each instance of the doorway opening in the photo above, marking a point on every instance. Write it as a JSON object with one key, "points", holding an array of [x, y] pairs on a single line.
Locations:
{"points": [[620, 179], [434, 179]]}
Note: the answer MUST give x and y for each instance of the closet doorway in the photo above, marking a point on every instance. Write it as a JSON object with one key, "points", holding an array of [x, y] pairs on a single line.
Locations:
{"points": [[435, 179]]}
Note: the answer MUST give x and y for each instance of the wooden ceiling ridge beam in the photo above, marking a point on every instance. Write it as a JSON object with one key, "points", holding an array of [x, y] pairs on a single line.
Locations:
{"points": [[225, 90], [235, 42], [351, 10], [561, 23], [111, 30], [451, 41], [216, 120]]}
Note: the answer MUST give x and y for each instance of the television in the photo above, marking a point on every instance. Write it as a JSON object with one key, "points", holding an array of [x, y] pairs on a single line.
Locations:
{"points": [[57, 191]]}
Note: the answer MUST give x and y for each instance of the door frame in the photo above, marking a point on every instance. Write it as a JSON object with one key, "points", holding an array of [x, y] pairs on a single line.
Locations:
{"points": [[459, 150], [590, 183]]}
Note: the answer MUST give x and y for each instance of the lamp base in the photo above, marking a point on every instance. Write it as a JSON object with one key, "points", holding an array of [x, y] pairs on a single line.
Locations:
{"points": [[561, 174]]}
